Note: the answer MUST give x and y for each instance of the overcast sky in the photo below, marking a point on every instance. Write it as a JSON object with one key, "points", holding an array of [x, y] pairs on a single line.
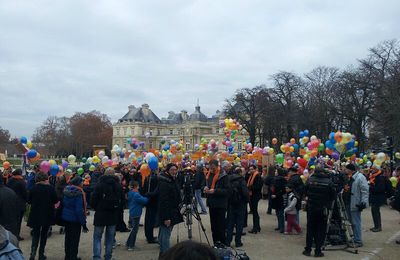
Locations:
{"points": [[61, 57]]}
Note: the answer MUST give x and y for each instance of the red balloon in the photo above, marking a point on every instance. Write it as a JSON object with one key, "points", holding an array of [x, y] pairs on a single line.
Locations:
{"points": [[302, 162]]}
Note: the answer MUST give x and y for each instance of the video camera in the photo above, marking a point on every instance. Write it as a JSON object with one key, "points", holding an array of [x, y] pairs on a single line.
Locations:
{"points": [[222, 252]]}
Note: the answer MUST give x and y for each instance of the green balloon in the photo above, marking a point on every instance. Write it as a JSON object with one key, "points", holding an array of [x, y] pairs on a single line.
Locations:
{"points": [[80, 171], [280, 158], [321, 147], [84, 159]]}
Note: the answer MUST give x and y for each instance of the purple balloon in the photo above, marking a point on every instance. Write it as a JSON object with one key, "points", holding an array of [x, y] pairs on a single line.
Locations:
{"points": [[335, 155], [65, 164]]}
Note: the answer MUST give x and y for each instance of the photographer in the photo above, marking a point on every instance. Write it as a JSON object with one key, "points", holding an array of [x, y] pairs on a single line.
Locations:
{"points": [[168, 205], [320, 193], [358, 200]]}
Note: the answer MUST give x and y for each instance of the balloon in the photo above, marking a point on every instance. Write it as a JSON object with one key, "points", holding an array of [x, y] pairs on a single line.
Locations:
{"points": [[80, 171], [92, 168], [84, 159], [335, 155], [31, 154], [101, 154], [332, 136], [144, 170], [54, 169], [104, 159], [274, 141], [397, 155], [6, 165], [23, 140], [29, 144], [282, 148], [301, 134], [89, 160], [52, 162], [96, 159], [321, 147], [64, 164], [280, 158], [292, 141], [148, 156], [394, 182], [302, 162], [153, 163], [296, 147], [291, 149], [44, 166], [306, 132], [71, 159], [306, 157], [381, 156]]}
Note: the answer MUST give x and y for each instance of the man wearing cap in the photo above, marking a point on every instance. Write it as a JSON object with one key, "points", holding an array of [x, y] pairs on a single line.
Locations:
{"points": [[358, 200]]}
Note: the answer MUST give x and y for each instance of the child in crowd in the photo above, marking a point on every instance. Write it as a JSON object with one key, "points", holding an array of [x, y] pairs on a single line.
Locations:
{"points": [[291, 211], [135, 205]]}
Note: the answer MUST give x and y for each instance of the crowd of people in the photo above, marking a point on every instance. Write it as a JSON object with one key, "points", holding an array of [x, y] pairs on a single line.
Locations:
{"points": [[232, 192]]}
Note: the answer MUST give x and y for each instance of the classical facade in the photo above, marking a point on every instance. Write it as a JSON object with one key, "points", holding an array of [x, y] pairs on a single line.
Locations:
{"points": [[141, 123]]}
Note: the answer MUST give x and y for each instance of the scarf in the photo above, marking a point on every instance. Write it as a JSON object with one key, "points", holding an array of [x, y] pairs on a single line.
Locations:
{"points": [[372, 177], [251, 181], [18, 177], [215, 178], [84, 199]]}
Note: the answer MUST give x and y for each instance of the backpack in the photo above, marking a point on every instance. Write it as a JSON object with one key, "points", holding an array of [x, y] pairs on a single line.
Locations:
{"points": [[9, 251], [298, 204], [237, 194]]}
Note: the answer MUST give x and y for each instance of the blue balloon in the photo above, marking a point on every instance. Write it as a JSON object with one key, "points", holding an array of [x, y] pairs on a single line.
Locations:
{"points": [[306, 132], [153, 163], [350, 144], [296, 147], [230, 149], [54, 169], [355, 149], [166, 148], [31, 154], [301, 134], [134, 146], [122, 155], [329, 144], [23, 140], [332, 136]]}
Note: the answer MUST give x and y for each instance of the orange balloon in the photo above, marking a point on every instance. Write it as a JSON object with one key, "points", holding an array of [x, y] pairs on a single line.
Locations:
{"points": [[314, 152], [274, 141], [328, 151], [292, 141]]}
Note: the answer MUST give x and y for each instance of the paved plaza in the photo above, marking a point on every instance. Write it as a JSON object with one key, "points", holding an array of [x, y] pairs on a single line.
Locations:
{"points": [[266, 245]]}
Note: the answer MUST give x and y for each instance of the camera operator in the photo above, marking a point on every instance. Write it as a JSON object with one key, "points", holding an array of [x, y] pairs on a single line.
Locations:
{"points": [[168, 205], [358, 200], [217, 191], [199, 184], [320, 193]]}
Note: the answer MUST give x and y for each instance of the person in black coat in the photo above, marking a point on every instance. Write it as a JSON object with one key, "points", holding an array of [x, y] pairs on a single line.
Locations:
{"points": [[268, 182], [42, 198], [168, 205], [8, 211], [199, 184], [379, 188], [237, 206], [150, 190], [105, 200], [254, 184], [217, 191], [277, 193], [18, 184]]}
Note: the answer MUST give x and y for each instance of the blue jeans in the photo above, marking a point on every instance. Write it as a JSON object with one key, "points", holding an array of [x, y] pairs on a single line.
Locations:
{"points": [[356, 221], [199, 200], [132, 236], [109, 239], [164, 236], [281, 220]]}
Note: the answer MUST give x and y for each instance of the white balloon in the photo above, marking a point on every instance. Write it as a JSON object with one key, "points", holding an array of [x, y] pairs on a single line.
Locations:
{"points": [[149, 155], [101, 154]]}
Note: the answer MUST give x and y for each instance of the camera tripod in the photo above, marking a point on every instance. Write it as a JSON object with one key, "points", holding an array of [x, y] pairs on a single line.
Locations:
{"points": [[189, 211], [345, 229]]}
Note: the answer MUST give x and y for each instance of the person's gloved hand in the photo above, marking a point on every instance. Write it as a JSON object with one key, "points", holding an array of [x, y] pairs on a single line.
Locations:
{"points": [[361, 206], [85, 229]]}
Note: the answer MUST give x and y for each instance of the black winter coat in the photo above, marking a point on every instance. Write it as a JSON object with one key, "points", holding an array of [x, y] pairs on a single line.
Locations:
{"points": [[221, 194], [106, 199], [320, 192], [42, 198], [378, 191], [199, 180], [255, 189], [169, 199], [19, 187], [298, 185], [150, 190], [278, 189], [8, 212], [238, 182]]}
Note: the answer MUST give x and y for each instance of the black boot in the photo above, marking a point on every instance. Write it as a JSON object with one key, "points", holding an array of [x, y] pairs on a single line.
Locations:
{"points": [[33, 253], [42, 257]]}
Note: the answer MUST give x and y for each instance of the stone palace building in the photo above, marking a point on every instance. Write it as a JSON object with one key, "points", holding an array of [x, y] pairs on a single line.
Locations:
{"points": [[141, 123]]}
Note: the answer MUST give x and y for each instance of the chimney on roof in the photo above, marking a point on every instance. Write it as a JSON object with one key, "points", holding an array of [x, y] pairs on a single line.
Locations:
{"points": [[131, 107], [184, 115], [145, 109]]}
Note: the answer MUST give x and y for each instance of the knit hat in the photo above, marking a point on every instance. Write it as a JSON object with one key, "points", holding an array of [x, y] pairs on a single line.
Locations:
{"points": [[76, 181], [351, 167]]}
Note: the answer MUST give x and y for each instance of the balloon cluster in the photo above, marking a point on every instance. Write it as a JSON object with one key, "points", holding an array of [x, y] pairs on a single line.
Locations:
{"points": [[341, 143], [231, 129], [31, 154], [134, 143]]}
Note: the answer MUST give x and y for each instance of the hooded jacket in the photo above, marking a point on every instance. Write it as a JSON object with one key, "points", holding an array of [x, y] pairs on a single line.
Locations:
{"points": [[73, 208], [106, 199]]}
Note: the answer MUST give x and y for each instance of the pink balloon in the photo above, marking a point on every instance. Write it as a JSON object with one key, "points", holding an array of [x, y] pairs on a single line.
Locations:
{"points": [[110, 162], [45, 166]]}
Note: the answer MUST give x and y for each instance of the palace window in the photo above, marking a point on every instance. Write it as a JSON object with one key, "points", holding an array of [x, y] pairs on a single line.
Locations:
{"points": [[125, 131], [117, 131], [171, 131]]}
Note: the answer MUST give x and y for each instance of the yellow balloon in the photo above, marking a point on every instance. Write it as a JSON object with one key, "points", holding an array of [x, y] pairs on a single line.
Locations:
{"points": [[52, 162], [29, 144], [306, 157], [397, 155], [356, 143]]}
